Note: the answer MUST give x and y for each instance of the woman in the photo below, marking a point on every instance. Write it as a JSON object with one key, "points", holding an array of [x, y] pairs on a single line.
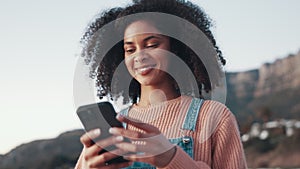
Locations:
{"points": [[168, 126]]}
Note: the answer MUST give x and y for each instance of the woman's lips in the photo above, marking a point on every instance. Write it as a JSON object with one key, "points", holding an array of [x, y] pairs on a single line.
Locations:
{"points": [[144, 70]]}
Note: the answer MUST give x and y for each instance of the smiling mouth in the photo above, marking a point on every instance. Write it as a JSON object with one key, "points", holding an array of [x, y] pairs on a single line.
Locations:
{"points": [[143, 70]]}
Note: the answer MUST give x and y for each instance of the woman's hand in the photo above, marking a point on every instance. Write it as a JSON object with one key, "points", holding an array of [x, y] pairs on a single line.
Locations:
{"points": [[91, 159], [149, 146]]}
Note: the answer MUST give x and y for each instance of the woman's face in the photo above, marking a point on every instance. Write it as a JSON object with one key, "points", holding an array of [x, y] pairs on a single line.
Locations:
{"points": [[146, 53]]}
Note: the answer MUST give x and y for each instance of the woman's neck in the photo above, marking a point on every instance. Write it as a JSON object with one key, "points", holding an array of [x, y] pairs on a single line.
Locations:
{"points": [[153, 95]]}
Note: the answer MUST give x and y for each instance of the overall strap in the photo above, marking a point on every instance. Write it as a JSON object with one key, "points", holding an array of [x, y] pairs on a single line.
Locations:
{"points": [[192, 114], [124, 112]]}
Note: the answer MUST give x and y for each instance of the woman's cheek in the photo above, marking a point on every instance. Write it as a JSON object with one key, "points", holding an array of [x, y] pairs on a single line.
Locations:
{"points": [[129, 65]]}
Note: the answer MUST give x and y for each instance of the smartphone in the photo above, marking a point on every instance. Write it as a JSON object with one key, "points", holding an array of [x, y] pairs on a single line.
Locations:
{"points": [[100, 115]]}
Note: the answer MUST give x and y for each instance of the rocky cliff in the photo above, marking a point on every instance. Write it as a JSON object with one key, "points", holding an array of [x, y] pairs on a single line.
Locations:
{"points": [[280, 75], [275, 86]]}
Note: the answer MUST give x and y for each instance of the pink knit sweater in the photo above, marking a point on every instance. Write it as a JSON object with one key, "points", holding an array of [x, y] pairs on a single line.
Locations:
{"points": [[217, 142]]}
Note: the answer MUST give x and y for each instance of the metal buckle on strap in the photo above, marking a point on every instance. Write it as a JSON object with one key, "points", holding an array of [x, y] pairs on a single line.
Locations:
{"points": [[185, 138]]}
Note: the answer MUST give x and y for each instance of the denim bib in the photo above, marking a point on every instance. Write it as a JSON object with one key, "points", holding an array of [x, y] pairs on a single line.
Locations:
{"points": [[185, 142]]}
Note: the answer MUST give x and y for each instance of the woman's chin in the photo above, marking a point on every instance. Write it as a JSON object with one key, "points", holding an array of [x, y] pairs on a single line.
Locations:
{"points": [[146, 81]]}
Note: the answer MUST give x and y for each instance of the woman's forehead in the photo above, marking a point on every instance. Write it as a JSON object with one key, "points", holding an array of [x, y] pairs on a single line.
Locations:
{"points": [[140, 27], [144, 37]]}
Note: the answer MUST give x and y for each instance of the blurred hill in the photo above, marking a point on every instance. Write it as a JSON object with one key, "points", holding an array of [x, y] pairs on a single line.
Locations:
{"points": [[58, 153], [274, 87], [270, 92]]}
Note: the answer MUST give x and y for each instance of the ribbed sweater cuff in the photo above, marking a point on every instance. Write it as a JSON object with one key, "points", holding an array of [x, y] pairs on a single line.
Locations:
{"points": [[183, 160]]}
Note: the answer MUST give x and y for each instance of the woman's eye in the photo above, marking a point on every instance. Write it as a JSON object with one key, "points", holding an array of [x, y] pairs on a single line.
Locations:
{"points": [[129, 50], [153, 45]]}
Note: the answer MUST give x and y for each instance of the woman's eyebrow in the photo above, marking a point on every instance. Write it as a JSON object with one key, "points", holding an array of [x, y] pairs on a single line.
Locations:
{"points": [[144, 40], [128, 43], [151, 37]]}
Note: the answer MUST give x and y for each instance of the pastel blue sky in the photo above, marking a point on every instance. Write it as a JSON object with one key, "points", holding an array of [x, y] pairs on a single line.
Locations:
{"points": [[39, 47]]}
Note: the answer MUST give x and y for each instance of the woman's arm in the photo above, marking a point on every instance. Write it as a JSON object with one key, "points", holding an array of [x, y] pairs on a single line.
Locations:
{"points": [[228, 149], [224, 144]]}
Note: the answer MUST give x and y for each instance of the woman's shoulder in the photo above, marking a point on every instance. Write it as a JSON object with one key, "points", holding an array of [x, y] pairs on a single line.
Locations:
{"points": [[207, 106], [214, 103], [215, 110]]}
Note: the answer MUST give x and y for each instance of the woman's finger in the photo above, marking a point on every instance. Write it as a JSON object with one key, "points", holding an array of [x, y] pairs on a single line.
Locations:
{"points": [[144, 126], [129, 147], [127, 133], [102, 144], [87, 138], [101, 160], [110, 141], [137, 157], [151, 148], [142, 146]]}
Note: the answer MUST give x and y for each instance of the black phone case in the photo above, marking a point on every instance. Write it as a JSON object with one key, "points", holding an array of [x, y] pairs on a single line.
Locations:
{"points": [[100, 115]]}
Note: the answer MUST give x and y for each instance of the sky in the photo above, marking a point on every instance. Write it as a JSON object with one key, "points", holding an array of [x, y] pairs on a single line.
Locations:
{"points": [[39, 48]]}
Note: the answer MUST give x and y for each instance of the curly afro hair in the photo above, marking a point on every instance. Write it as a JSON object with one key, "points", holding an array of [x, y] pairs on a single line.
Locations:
{"points": [[104, 64]]}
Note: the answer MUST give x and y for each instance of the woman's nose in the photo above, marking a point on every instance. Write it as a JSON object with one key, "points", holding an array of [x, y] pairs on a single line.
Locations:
{"points": [[140, 56]]}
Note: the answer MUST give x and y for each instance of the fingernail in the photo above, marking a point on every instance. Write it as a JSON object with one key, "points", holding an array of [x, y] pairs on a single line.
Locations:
{"points": [[96, 132], [112, 130], [119, 138]]}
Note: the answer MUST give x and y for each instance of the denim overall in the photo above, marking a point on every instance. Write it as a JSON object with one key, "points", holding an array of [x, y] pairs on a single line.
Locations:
{"points": [[185, 142]]}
